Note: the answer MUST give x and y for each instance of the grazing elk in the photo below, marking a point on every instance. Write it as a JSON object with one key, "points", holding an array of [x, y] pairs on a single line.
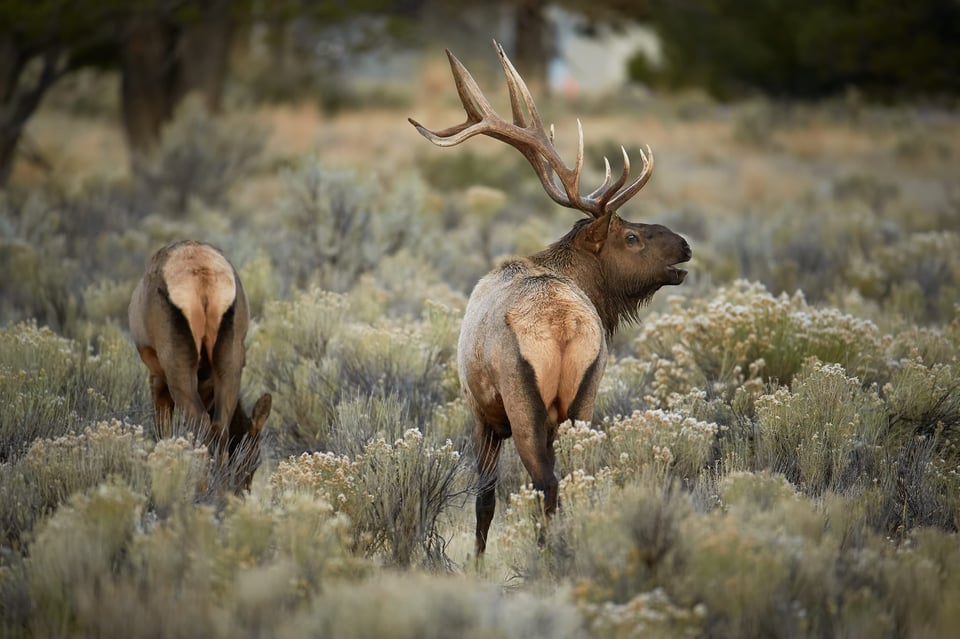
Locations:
{"points": [[532, 347], [188, 319]]}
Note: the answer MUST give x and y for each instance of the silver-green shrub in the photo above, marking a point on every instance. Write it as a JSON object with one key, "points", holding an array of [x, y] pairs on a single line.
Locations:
{"points": [[744, 333], [200, 156], [312, 358], [823, 432], [50, 385], [339, 225], [393, 494], [52, 470]]}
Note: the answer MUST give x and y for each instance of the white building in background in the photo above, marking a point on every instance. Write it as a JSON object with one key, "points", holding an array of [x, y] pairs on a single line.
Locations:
{"points": [[595, 63], [586, 59]]}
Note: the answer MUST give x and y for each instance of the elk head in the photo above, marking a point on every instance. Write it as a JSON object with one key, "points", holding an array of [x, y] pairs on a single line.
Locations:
{"points": [[532, 345], [188, 319]]}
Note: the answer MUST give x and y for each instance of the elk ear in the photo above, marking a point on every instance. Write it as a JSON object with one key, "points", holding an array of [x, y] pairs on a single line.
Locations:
{"points": [[261, 411], [595, 233]]}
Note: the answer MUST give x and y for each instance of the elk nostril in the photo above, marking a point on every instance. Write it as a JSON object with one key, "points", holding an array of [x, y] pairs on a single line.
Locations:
{"points": [[686, 247]]}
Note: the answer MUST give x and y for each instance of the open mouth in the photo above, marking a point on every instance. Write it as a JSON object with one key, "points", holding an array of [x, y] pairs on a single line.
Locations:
{"points": [[675, 274]]}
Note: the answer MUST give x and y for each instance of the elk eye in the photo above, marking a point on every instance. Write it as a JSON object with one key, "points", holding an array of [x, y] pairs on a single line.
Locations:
{"points": [[632, 238]]}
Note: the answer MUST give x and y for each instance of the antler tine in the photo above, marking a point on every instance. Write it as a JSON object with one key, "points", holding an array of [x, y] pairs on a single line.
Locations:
{"points": [[518, 90], [528, 136], [541, 153], [578, 167], [621, 198], [546, 162], [611, 190], [606, 180], [475, 104]]}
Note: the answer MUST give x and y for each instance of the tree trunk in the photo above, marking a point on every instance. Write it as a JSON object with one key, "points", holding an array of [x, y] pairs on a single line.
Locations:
{"points": [[9, 138], [18, 101], [149, 73], [531, 42], [204, 51], [10, 67]]}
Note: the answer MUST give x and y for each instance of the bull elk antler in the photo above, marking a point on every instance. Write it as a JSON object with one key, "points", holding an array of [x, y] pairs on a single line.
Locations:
{"points": [[529, 137]]}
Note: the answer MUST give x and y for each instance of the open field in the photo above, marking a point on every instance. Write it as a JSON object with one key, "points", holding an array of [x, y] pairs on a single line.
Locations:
{"points": [[774, 451]]}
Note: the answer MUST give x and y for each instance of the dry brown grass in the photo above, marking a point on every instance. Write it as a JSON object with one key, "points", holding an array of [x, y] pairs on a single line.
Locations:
{"points": [[701, 161]]}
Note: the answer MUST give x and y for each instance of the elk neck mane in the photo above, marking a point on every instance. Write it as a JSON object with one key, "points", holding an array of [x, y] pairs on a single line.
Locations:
{"points": [[616, 301]]}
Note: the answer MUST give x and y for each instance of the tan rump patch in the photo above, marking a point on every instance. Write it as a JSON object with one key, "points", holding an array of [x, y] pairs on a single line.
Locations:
{"points": [[201, 284], [559, 334]]}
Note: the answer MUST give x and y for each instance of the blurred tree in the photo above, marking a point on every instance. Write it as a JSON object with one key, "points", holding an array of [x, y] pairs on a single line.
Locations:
{"points": [[32, 58], [527, 38], [797, 48], [164, 50], [532, 42]]}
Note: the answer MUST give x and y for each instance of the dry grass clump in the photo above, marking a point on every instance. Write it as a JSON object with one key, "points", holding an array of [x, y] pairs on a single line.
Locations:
{"points": [[73, 551], [765, 561], [339, 224], [177, 467], [919, 276], [243, 573], [200, 156], [416, 606]]}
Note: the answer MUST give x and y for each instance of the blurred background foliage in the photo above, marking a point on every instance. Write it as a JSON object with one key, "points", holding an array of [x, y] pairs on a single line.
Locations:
{"points": [[803, 50], [779, 435], [167, 49]]}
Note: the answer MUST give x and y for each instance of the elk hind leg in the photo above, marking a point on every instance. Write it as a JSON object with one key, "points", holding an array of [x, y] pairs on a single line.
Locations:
{"points": [[178, 362], [581, 408], [162, 400], [487, 444], [226, 373], [534, 430]]}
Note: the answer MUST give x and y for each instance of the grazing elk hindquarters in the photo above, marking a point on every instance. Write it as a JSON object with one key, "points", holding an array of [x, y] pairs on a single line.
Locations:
{"points": [[532, 346], [188, 319]]}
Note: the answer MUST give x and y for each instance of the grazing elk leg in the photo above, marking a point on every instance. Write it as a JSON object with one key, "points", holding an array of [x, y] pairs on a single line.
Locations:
{"points": [[487, 444], [185, 395], [162, 407], [227, 369], [162, 400], [179, 366]]}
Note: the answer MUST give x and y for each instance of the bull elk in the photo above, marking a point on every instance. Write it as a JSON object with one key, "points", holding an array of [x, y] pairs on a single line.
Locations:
{"points": [[533, 344], [188, 319]]}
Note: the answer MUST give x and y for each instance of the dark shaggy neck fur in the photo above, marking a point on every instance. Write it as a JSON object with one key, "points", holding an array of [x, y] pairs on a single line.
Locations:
{"points": [[616, 298]]}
